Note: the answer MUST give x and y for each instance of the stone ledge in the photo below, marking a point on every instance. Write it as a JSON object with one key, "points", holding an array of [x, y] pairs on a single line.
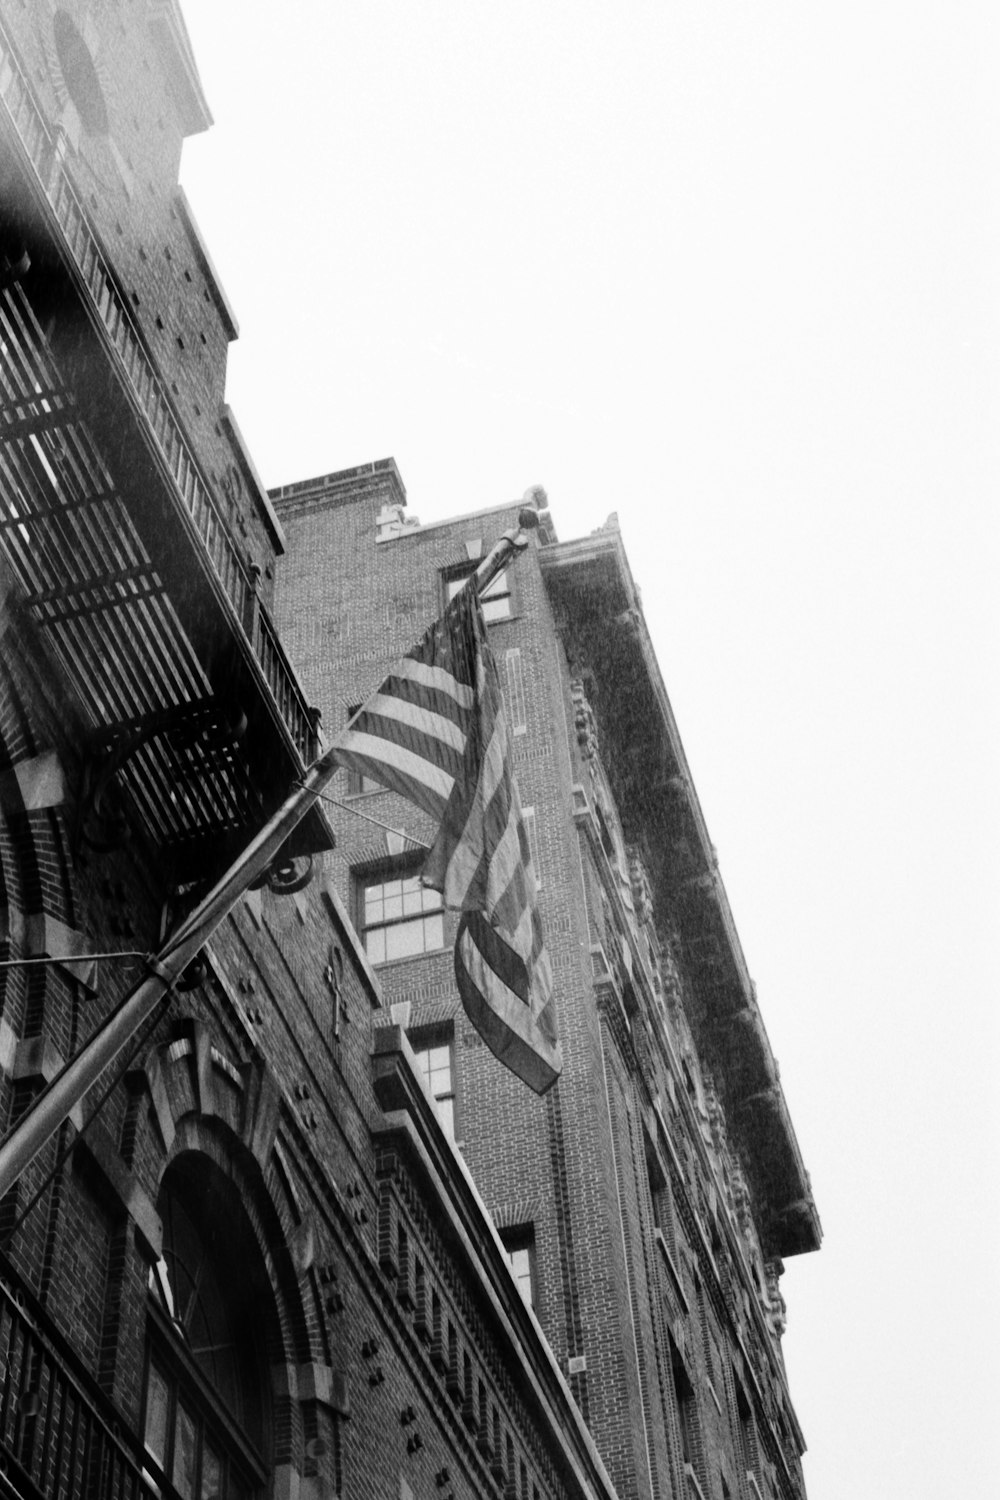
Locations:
{"points": [[95, 1154]]}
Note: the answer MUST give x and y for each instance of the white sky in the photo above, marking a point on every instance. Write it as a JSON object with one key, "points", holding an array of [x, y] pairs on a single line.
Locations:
{"points": [[730, 269]]}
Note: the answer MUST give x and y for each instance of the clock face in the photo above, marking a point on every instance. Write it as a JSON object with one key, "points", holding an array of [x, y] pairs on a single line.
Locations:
{"points": [[74, 61], [77, 76]]}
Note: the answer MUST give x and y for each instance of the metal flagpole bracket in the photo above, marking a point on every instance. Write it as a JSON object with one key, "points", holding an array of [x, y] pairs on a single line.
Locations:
{"points": [[510, 546], [158, 970]]}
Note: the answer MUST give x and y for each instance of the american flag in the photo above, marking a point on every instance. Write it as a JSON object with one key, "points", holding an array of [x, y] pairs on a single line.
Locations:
{"points": [[436, 732]]}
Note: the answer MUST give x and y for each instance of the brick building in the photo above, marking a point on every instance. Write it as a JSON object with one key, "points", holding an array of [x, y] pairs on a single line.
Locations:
{"points": [[252, 1261], [648, 1199]]}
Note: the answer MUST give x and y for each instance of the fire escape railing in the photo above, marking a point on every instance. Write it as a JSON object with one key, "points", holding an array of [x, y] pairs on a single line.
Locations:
{"points": [[114, 316], [60, 1438]]}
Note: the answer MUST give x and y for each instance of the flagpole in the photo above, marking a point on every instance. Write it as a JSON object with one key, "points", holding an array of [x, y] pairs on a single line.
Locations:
{"points": [[506, 550], [62, 1094], [60, 1097]]}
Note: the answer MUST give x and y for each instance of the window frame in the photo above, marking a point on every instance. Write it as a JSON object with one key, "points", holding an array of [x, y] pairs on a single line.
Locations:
{"points": [[186, 1383], [403, 871], [518, 1239], [497, 600], [426, 1039]]}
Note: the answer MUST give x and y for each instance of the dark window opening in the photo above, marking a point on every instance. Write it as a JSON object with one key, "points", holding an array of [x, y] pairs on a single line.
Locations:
{"points": [[205, 1403], [687, 1409], [519, 1243]]}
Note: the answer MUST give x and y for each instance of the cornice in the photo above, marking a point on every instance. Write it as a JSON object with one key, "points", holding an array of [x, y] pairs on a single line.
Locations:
{"points": [[170, 34], [599, 615]]}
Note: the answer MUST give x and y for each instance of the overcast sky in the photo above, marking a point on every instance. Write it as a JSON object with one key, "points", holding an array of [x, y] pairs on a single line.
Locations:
{"points": [[730, 270]]}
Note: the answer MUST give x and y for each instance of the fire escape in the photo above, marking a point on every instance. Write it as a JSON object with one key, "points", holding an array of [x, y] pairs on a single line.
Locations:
{"points": [[196, 723], [193, 726]]}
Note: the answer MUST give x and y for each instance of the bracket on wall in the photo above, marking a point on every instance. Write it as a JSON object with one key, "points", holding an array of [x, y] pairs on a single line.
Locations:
{"points": [[286, 875]]}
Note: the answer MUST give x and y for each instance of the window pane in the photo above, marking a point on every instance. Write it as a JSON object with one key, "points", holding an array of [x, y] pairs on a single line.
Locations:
{"points": [[375, 945], [413, 902], [404, 940], [496, 609], [157, 1397], [211, 1474], [439, 1070], [185, 1453], [499, 585], [520, 1264], [446, 1109], [395, 926]]}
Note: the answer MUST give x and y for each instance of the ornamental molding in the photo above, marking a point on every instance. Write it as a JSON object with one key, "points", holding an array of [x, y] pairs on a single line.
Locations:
{"points": [[642, 889], [584, 720]]}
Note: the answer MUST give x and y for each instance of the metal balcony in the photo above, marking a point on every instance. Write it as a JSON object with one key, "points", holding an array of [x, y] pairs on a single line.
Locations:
{"points": [[123, 559], [59, 1437]]}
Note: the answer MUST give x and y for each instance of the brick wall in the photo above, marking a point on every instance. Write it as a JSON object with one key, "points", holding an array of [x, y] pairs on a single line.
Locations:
{"points": [[575, 1163]]}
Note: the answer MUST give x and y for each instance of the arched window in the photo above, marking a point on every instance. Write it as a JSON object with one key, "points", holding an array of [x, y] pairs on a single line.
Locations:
{"points": [[205, 1394]]}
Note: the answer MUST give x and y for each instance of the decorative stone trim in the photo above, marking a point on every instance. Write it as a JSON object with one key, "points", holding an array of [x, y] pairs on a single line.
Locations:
{"points": [[392, 521], [584, 721], [160, 1099], [45, 935], [329, 1387], [204, 1084], [33, 784], [96, 1155], [36, 1060], [262, 1101]]}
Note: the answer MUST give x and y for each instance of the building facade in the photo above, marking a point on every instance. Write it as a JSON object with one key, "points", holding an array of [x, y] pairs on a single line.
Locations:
{"points": [[251, 1261], [648, 1200]]}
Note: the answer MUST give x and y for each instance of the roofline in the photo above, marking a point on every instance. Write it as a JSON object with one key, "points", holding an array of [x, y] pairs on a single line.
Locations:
{"points": [[606, 545]]}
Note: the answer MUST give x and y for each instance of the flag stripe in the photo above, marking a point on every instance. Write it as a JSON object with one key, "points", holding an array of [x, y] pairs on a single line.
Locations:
{"points": [[436, 731], [417, 716], [397, 768], [471, 843], [503, 1017], [393, 731], [438, 679], [431, 698]]}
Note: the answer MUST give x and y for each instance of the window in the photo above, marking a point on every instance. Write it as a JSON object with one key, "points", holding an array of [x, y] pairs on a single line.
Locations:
{"points": [[687, 1410], [400, 918], [434, 1055], [528, 814], [747, 1435], [204, 1388], [357, 784], [495, 599], [514, 700], [519, 1243]]}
